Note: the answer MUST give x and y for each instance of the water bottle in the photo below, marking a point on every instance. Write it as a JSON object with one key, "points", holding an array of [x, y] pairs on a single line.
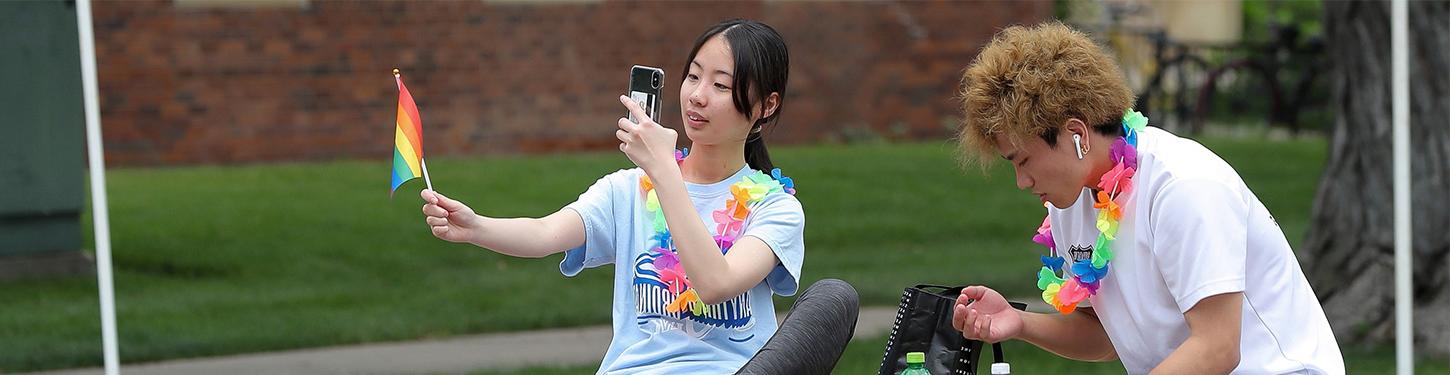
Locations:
{"points": [[915, 364]]}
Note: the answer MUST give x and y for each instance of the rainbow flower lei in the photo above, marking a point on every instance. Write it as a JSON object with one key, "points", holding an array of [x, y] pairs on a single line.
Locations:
{"points": [[1087, 275], [729, 223]]}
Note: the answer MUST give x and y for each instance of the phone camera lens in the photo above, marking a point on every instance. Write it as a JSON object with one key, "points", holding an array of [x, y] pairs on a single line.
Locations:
{"points": [[656, 79]]}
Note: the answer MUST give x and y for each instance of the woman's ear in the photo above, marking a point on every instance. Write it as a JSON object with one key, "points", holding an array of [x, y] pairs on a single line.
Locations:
{"points": [[772, 102]]}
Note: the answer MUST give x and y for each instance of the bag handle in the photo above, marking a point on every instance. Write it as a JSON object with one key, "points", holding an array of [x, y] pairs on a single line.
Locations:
{"points": [[999, 361], [943, 288]]}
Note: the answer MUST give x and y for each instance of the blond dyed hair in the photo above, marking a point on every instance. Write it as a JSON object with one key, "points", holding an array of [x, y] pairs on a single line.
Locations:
{"points": [[1028, 81]]}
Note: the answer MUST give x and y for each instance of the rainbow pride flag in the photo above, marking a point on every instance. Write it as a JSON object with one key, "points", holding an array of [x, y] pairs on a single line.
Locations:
{"points": [[408, 144]]}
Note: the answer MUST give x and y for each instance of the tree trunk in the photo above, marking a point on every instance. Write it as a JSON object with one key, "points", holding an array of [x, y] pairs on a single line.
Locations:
{"points": [[1349, 252]]}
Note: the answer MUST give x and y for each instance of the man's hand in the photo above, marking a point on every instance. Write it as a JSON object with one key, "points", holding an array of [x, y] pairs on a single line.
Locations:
{"points": [[982, 314]]}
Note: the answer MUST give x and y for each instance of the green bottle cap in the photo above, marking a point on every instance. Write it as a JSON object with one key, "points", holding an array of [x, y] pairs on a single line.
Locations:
{"points": [[915, 357]]}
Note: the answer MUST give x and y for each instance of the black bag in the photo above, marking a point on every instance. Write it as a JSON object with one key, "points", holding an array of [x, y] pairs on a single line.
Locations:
{"points": [[924, 324]]}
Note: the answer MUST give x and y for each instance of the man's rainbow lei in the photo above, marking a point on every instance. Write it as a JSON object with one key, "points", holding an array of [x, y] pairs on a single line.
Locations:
{"points": [[729, 223], [1113, 188]]}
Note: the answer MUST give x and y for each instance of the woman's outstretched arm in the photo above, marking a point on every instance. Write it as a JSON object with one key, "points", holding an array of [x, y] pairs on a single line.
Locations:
{"points": [[454, 221]]}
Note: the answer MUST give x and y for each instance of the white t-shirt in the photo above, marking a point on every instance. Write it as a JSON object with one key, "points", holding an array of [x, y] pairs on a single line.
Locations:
{"points": [[1191, 230]]}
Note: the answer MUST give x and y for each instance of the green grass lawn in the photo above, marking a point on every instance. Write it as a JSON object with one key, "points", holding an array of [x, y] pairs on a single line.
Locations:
{"points": [[220, 260]]}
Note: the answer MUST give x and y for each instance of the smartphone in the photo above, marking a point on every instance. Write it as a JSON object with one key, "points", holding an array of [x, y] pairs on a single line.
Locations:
{"points": [[644, 88]]}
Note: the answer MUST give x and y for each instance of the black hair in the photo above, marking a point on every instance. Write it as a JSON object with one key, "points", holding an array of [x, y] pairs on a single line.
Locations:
{"points": [[762, 66]]}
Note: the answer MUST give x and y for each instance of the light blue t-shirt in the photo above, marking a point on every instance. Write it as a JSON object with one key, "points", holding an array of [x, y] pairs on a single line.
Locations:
{"points": [[649, 340]]}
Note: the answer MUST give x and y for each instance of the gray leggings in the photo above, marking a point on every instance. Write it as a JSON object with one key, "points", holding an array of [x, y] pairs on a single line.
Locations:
{"points": [[813, 335]]}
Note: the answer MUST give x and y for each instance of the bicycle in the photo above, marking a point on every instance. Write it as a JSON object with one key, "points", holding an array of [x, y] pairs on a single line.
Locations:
{"points": [[1267, 62], [1169, 97], [1173, 69]]}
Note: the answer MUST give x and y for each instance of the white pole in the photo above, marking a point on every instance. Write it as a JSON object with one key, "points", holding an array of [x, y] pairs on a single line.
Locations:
{"points": [[98, 187], [1400, 86], [424, 162]]}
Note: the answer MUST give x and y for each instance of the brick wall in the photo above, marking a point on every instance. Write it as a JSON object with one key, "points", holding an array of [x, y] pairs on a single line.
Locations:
{"points": [[197, 85]]}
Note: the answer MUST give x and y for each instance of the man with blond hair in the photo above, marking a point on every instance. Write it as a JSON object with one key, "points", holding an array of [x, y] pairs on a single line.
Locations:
{"points": [[1158, 254]]}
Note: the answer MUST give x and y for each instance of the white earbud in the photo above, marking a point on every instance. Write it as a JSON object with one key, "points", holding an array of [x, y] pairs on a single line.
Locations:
{"points": [[1077, 144]]}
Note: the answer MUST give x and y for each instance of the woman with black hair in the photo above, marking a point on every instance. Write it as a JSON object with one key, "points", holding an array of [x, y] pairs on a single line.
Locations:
{"points": [[720, 213]]}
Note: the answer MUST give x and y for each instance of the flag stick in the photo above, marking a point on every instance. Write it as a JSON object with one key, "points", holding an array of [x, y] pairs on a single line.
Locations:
{"points": [[425, 173]]}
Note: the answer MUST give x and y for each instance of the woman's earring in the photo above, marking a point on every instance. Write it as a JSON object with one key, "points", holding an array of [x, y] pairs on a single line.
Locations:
{"points": [[1077, 144]]}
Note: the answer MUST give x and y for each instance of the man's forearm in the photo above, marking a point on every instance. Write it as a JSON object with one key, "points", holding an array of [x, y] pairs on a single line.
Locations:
{"points": [[1078, 335], [1196, 356], [1212, 346]]}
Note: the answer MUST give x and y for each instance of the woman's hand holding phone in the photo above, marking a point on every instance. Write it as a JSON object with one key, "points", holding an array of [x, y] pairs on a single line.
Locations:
{"points": [[647, 144]]}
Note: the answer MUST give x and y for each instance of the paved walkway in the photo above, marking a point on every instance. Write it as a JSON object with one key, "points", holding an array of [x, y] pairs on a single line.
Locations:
{"points": [[573, 346], [498, 351]]}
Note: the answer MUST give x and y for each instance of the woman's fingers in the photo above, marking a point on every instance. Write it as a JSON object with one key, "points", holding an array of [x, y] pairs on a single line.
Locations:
{"points": [[626, 133], [434, 221], [433, 210], [448, 204], [634, 109], [626, 125]]}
